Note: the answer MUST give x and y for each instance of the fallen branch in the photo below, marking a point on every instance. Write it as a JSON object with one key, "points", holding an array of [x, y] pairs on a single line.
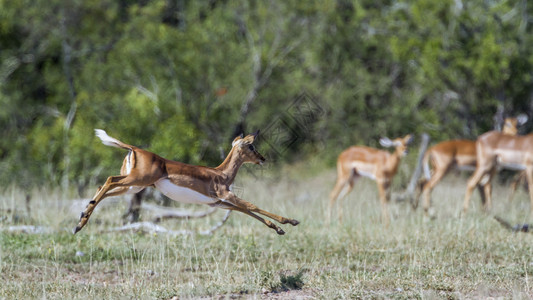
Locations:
{"points": [[27, 229], [160, 212], [9, 210], [516, 228], [216, 226], [147, 227], [408, 194], [151, 228]]}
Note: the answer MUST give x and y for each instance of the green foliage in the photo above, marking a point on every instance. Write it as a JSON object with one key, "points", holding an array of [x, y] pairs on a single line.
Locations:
{"points": [[183, 77]]}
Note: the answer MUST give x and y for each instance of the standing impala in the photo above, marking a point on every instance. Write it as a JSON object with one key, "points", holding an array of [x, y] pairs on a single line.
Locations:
{"points": [[375, 164], [183, 182], [498, 150], [458, 154]]}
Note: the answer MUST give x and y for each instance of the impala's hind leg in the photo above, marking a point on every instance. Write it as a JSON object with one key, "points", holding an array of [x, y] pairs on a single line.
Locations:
{"points": [[339, 186], [345, 191], [486, 196], [342, 187], [473, 182], [114, 185], [516, 181], [428, 187]]}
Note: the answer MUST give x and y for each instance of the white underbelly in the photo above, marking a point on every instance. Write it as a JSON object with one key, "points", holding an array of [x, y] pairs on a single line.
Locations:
{"points": [[182, 194], [466, 168], [364, 170], [510, 162], [511, 166], [366, 174]]}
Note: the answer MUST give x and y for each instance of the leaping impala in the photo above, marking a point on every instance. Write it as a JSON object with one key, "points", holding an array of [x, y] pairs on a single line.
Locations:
{"points": [[183, 182], [375, 164], [498, 150], [458, 154]]}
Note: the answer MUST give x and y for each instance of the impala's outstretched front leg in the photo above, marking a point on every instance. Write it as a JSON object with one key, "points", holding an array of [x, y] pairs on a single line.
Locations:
{"points": [[251, 207], [230, 206], [113, 186]]}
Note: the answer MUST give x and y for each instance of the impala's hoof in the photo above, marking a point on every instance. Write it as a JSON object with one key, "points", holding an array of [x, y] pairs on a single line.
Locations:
{"points": [[280, 231], [294, 222], [78, 228]]}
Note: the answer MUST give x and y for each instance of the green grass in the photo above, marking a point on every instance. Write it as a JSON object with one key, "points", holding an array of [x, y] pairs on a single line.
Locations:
{"points": [[447, 256]]}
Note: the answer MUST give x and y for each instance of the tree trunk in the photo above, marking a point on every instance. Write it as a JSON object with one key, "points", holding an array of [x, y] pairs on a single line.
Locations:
{"points": [[409, 193], [134, 210]]}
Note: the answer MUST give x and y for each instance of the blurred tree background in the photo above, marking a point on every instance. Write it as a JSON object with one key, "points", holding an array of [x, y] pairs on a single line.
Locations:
{"points": [[182, 77]]}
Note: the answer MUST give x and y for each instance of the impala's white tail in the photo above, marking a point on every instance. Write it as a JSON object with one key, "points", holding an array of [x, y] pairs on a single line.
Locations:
{"points": [[110, 141]]}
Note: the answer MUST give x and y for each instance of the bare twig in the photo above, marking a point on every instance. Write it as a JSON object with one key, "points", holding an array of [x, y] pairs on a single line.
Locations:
{"points": [[162, 213], [159, 212], [149, 227], [216, 226], [30, 229], [516, 228], [409, 192]]}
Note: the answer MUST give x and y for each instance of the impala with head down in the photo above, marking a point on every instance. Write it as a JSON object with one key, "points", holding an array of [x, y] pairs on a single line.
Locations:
{"points": [[183, 182], [375, 164], [456, 154]]}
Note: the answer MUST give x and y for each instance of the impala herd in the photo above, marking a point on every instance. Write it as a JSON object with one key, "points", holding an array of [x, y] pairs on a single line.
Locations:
{"points": [[186, 183]]}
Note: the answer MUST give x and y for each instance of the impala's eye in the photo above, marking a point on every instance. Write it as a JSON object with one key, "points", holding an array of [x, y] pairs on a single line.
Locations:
{"points": [[251, 147]]}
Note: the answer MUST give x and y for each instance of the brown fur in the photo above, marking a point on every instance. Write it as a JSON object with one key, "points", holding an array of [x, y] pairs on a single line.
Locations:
{"points": [[458, 154], [359, 161], [498, 149]]}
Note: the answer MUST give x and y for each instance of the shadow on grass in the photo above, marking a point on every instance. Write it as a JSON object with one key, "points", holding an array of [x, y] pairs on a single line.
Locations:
{"points": [[288, 282]]}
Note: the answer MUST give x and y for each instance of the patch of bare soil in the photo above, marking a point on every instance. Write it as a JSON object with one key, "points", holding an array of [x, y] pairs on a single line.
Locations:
{"points": [[291, 295]]}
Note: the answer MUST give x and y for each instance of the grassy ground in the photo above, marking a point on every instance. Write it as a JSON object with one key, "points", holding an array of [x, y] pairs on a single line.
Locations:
{"points": [[447, 256]]}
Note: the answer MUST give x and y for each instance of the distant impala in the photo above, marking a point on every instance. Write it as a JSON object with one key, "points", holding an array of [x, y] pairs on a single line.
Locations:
{"points": [[458, 154], [183, 182], [498, 150], [378, 165]]}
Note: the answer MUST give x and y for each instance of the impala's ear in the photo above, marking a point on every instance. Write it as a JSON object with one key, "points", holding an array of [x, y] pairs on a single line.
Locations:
{"points": [[237, 140], [385, 142], [409, 139], [522, 119], [251, 137]]}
